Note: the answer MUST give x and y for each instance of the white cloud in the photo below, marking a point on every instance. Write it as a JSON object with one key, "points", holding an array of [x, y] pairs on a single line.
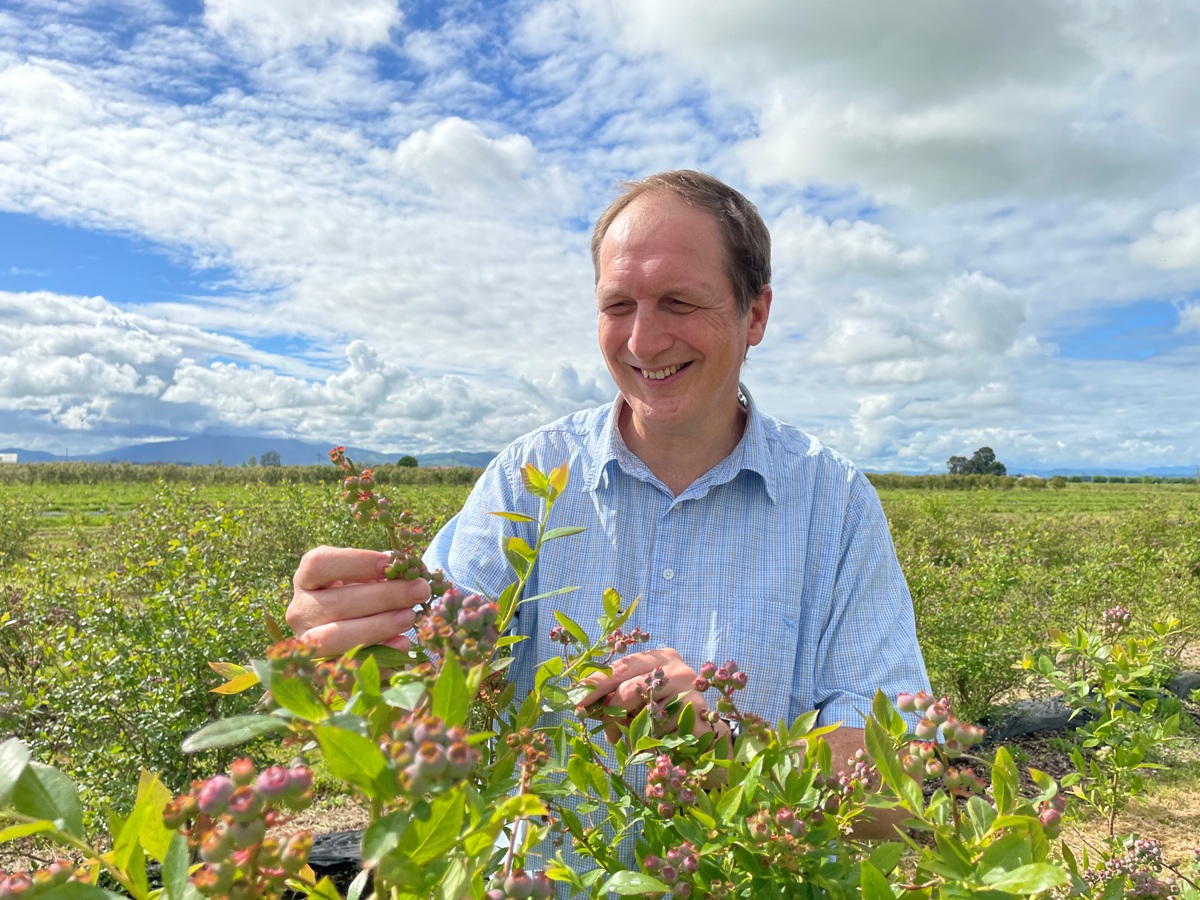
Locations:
{"points": [[270, 26], [1175, 243], [456, 155], [1189, 318], [821, 247]]}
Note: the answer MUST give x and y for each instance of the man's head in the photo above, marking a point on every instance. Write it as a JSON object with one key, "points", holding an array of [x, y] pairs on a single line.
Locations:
{"points": [[670, 323], [745, 237]]}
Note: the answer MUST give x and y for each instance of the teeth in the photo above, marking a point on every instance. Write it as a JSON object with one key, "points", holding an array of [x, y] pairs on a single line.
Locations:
{"points": [[659, 374]]}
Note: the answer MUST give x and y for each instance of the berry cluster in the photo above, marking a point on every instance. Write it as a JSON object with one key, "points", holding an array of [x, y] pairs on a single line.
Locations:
{"points": [[534, 749], [726, 679], [1114, 622], [406, 537], [560, 635], [669, 786], [519, 885], [957, 736], [462, 624], [619, 642], [1050, 814], [230, 815], [850, 784], [41, 882], [427, 755], [1138, 868], [681, 862], [781, 835]]}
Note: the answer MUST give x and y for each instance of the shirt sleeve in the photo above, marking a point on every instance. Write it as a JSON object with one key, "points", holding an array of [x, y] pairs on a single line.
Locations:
{"points": [[869, 641]]}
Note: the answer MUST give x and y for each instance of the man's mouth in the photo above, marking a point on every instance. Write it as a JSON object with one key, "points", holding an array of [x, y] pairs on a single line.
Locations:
{"points": [[660, 374]]}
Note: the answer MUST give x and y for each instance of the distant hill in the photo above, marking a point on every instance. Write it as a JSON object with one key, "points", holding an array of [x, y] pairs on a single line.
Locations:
{"points": [[234, 450]]}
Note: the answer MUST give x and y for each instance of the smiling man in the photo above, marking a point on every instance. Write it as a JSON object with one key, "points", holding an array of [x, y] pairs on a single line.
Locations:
{"points": [[743, 537]]}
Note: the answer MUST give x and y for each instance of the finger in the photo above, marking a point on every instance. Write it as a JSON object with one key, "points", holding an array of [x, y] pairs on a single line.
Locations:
{"points": [[325, 566], [335, 638], [632, 667], [308, 609]]}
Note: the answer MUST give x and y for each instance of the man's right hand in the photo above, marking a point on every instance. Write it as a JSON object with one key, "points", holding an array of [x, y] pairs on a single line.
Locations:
{"points": [[341, 600]]}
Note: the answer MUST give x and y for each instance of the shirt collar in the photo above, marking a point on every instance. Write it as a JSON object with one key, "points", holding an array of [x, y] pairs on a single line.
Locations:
{"points": [[750, 454]]}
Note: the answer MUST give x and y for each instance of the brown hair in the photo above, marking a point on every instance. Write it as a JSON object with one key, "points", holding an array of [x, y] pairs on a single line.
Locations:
{"points": [[744, 233]]}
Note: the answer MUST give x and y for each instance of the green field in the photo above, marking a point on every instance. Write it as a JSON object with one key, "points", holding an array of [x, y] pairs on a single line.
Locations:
{"points": [[114, 594]]}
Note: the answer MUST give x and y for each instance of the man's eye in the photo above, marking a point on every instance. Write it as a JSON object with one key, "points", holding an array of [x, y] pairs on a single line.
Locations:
{"points": [[679, 305]]}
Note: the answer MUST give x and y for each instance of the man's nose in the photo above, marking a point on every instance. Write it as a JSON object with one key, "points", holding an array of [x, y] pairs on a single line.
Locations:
{"points": [[650, 334]]}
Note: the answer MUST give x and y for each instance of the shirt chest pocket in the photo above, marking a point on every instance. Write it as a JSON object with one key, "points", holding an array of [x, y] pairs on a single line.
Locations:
{"points": [[760, 634]]}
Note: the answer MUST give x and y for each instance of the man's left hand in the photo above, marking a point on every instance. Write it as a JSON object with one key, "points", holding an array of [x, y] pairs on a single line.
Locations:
{"points": [[626, 688]]}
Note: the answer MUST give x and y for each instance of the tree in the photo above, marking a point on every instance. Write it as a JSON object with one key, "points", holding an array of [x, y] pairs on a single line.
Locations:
{"points": [[407, 462], [982, 462], [270, 458], [251, 462]]}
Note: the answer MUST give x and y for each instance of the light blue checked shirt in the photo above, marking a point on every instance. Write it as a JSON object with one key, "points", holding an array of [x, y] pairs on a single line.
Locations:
{"points": [[779, 558]]}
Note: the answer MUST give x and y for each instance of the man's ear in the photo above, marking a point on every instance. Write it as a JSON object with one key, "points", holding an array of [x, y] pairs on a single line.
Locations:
{"points": [[757, 315]]}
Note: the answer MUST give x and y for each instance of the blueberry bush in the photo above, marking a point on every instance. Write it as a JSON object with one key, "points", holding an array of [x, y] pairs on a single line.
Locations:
{"points": [[527, 800]]}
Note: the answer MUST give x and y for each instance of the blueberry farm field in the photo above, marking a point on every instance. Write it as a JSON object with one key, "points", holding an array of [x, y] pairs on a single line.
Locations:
{"points": [[116, 589]]}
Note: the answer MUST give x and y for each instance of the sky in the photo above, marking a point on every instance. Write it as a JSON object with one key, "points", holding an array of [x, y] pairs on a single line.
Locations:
{"points": [[367, 221]]}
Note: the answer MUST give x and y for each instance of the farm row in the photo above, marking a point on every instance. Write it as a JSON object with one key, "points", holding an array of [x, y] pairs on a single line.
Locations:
{"points": [[108, 622]]}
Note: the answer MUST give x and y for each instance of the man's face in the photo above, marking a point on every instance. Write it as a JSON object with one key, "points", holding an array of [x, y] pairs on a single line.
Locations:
{"points": [[668, 325]]}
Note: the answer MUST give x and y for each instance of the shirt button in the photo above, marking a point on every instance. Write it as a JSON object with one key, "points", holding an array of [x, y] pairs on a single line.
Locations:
{"points": [[668, 574]]}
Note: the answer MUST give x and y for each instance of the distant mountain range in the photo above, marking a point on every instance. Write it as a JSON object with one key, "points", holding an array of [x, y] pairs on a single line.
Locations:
{"points": [[234, 450]]}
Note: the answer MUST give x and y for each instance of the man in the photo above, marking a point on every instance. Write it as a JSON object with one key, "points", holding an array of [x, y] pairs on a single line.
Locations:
{"points": [[744, 538]]}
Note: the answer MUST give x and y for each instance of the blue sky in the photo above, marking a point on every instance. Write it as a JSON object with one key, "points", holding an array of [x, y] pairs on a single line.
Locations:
{"points": [[365, 221]]}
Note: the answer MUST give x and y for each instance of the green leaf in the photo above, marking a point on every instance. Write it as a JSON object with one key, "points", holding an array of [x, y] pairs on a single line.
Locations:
{"points": [[1031, 879], [886, 856], [730, 802], [324, 890], [572, 627], [954, 854], [874, 885], [626, 883], [522, 549], [175, 868], [507, 602], [154, 836], [612, 602], [1005, 780], [228, 670], [14, 757], [74, 890], [1007, 854], [298, 697], [405, 695], [519, 563], [383, 835], [15, 832], [535, 482], [450, 699], [565, 531], [550, 669], [231, 732], [352, 758], [388, 657], [358, 885], [274, 632], [427, 840], [513, 516], [43, 792]]}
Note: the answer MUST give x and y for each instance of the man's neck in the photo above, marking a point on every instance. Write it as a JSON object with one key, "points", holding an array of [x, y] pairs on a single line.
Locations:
{"points": [[678, 459]]}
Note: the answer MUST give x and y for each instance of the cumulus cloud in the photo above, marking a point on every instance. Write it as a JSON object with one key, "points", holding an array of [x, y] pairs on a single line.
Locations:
{"points": [[1175, 243], [270, 26], [821, 247]]}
